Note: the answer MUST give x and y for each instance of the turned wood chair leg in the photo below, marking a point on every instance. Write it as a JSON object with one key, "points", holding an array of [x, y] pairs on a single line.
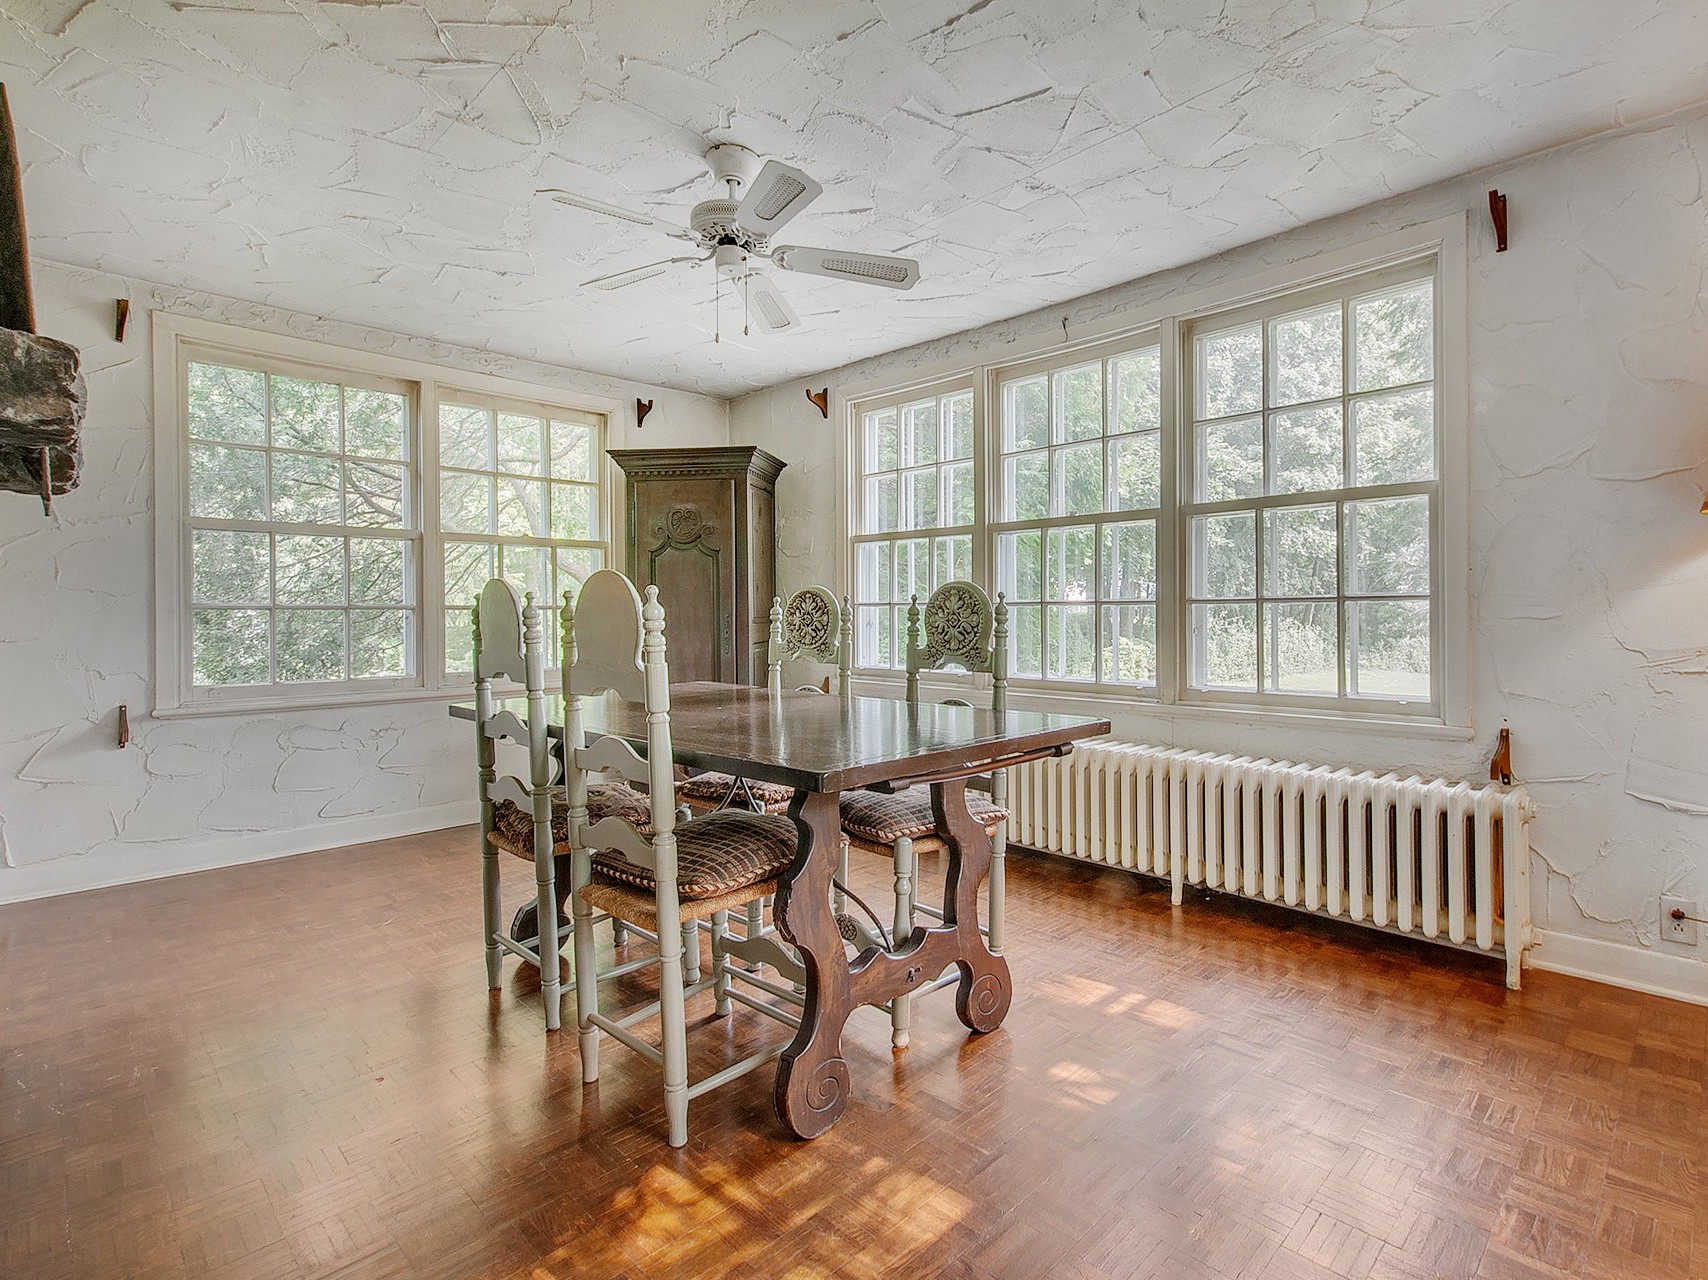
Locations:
{"points": [[755, 927], [586, 971], [691, 950], [901, 1006], [673, 1019], [491, 912], [720, 963]]}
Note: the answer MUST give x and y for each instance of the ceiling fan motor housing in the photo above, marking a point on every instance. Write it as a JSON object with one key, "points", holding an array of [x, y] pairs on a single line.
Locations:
{"points": [[730, 259]]}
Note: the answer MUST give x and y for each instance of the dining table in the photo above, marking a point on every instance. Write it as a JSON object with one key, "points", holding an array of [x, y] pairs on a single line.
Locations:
{"points": [[822, 745]]}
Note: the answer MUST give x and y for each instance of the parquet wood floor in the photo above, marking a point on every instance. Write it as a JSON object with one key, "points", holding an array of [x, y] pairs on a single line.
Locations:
{"points": [[293, 1069]]}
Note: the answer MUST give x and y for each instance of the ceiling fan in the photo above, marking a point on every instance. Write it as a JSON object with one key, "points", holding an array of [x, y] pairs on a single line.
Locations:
{"points": [[734, 234]]}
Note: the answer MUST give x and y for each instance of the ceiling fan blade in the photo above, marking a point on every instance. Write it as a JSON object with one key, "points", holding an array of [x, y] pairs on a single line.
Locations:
{"points": [[634, 275], [841, 264], [767, 306], [577, 201], [777, 194]]}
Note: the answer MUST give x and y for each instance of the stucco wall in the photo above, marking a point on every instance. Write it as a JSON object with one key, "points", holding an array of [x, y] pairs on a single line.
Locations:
{"points": [[76, 640], [1588, 451]]}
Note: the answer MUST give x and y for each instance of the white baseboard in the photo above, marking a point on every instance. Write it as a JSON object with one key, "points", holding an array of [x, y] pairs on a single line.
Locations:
{"points": [[156, 862], [1659, 973]]}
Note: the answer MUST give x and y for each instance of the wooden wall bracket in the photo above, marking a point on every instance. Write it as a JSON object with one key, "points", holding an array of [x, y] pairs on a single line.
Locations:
{"points": [[642, 408], [1497, 211], [121, 317], [1500, 765], [124, 726], [820, 401]]}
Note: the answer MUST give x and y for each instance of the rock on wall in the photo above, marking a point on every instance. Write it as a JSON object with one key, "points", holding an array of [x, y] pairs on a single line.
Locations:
{"points": [[76, 640], [1588, 451]]}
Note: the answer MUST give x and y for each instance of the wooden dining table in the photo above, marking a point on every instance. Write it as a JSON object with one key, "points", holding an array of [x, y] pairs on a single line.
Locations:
{"points": [[823, 745]]}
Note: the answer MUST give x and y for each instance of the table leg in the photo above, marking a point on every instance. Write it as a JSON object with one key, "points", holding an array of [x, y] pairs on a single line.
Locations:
{"points": [[986, 990], [812, 1076]]}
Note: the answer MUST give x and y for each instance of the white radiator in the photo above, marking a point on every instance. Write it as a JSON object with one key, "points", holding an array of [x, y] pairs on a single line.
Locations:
{"points": [[1420, 856]]}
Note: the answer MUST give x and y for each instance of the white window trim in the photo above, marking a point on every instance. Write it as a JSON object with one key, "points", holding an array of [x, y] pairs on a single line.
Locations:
{"points": [[174, 695], [855, 499], [1447, 239]]}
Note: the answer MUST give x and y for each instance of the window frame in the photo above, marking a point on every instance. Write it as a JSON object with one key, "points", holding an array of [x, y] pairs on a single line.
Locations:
{"points": [[855, 508], [1445, 240], [1346, 289], [995, 525], [178, 339]]}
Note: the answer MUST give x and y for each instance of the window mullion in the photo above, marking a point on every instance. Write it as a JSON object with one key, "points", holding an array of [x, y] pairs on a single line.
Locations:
{"points": [[1173, 617], [430, 566]]}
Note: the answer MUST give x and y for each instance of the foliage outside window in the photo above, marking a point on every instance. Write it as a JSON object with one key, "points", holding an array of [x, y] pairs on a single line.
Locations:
{"points": [[302, 529], [1239, 508], [518, 499], [1079, 488], [1309, 517], [315, 555], [915, 509]]}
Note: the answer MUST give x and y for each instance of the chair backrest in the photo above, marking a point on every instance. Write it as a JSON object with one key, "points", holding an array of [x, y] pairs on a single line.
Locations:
{"points": [[960, 629], [612, 641], [811, 626], [509, 644]]}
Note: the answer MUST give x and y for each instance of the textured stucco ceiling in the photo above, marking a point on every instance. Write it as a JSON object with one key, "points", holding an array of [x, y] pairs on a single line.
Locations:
{"points": [[375, 161]]}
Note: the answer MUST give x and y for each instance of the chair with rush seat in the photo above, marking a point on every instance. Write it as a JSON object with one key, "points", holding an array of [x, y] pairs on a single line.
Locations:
{"points": [[962, 630], [525, 817], [657, 875], [809, 626]]}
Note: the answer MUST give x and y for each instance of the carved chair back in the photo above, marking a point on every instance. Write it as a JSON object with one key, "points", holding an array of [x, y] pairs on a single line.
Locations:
{"points": [[614, 642], [509, 644], [812, 626], [959, 628]]}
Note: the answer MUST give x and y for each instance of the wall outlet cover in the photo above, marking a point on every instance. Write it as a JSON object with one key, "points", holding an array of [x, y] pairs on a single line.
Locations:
{"points": [[1681, 931]]}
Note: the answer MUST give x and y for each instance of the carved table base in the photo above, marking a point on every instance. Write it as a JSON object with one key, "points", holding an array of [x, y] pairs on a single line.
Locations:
{"points": [[812, 1076]]}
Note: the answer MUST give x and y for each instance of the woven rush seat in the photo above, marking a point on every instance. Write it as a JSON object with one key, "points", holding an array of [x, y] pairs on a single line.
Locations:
{"points": [[873, 816], [716, 788], [513, 826], [718, 855]]}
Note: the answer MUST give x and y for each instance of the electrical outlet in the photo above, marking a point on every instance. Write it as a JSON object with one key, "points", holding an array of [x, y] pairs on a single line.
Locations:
{"points": [[1679, 930]]}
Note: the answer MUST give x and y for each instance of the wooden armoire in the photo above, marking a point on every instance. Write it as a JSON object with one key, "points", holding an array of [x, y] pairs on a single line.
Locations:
{"points": [[702, 527]]}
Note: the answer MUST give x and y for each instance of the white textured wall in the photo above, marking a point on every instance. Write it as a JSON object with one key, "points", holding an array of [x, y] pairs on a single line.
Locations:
{"points": [[76, 640], [1589, 562]]}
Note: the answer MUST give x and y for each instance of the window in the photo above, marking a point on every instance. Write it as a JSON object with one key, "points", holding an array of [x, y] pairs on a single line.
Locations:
{"points": [[1079, 489], [518, 499], [333, 525], [1242, 506], [916, 506], [302, 529], [1309, 516]]}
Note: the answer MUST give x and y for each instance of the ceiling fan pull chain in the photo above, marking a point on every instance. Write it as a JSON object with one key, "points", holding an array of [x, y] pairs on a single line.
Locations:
{"points": [[746, 312]]}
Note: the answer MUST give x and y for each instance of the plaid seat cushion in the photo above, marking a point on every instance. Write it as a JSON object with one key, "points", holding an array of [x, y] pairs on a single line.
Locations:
{"points": [[715, 788], [884, 819], [717, 854], [604, 800]]}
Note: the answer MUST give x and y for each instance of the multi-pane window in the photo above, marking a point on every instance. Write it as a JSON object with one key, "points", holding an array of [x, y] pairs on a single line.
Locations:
{"points": [[1079, 487], [336, 527], [518, 499], [1309, 514], [1243, 507], [916, 505], [303, 529]]}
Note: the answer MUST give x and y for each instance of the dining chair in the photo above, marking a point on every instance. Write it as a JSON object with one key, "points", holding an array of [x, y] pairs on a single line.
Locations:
{"points": [[960, 629], [525, 816], [810, 626], [656, 876]]}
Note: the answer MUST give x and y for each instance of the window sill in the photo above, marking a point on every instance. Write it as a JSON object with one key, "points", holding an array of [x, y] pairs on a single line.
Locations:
{"points": [[343, 701], [1124, 704]]}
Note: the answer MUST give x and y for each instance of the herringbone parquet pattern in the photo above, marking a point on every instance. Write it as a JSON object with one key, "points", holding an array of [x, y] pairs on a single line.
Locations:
{"points": [[293, 1070]]}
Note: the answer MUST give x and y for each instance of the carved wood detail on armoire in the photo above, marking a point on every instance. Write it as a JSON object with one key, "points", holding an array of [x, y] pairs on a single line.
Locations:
{"points": [[702, 527]]}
